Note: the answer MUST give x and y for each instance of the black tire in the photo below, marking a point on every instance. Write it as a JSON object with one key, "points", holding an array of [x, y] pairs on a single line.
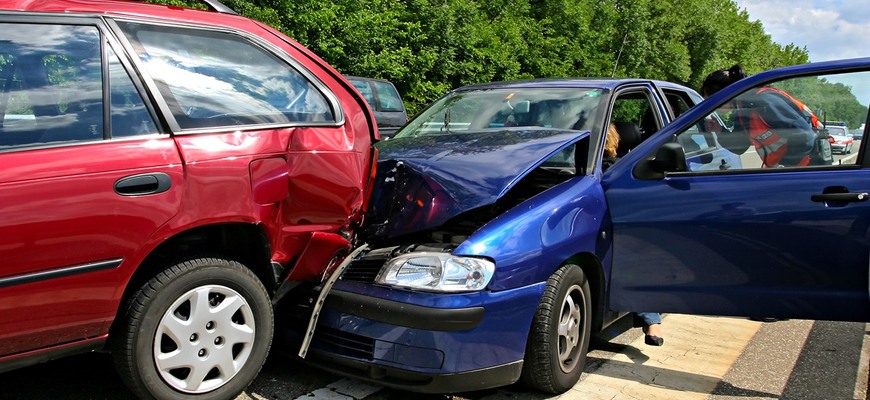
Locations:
{"points": [[225, 338], [554, 360]]}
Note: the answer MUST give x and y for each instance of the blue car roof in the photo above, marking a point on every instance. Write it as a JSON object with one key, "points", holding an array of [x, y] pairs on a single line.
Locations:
{"points": [[600, 83]]}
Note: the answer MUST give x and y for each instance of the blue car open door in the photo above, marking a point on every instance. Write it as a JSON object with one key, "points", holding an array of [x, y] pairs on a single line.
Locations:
{"points": [[785, 239]]}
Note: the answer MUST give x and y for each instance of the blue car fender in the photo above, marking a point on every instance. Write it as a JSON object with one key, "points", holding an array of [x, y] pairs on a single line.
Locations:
{"points": [[533, 239]]}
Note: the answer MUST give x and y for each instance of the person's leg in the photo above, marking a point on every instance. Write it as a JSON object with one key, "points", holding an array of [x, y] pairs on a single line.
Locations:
{"points": [[652, 327], [648, 318]]}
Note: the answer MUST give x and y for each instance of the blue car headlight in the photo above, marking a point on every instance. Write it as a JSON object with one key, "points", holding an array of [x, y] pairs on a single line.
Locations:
{"points": [[437, 272]]}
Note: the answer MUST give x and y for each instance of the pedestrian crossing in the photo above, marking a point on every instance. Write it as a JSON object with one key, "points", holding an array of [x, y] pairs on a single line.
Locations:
{"points": [[704, 358]]}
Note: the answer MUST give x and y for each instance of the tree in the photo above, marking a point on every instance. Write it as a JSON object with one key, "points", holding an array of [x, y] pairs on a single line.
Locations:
{"points": [[427, 47]]}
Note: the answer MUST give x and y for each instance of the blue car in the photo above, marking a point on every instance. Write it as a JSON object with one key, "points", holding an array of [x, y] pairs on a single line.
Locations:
{"points": [[496, 242]]}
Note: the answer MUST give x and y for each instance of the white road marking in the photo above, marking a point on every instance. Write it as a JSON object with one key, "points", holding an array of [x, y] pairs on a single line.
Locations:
{"points": [[684, 368]]}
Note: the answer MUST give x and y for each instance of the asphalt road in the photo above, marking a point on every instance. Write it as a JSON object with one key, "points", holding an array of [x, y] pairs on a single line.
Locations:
{"points": [[750, 158], [703, 358]]}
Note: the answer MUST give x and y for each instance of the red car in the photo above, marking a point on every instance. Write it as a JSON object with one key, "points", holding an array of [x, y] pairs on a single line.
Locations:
{"points": [[166, 175]]}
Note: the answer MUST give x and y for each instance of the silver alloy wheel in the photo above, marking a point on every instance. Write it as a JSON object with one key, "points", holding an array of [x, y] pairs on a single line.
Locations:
{"points": [[570, 322], [204, 339]]}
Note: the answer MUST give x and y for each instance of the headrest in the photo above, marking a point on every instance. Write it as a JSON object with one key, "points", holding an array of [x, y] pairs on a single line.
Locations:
{"points": [[629, 137]]}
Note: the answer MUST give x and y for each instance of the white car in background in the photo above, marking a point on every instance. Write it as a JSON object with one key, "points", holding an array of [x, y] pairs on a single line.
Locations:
{"points": [[841, 130], [840, 137]]}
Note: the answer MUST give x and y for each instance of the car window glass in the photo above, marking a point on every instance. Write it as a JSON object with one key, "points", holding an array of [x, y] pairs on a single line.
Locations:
{"points": [[19, 121], [836, 130], [634, 119], [212, 78], [466, 111], [129, 115], [388, 97], [782, 125], [51, 84], [678, 102], [366, 90]]}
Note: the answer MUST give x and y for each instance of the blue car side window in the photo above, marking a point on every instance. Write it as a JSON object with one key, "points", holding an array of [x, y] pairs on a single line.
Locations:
{"points": [[703, 150], [781, 125]]}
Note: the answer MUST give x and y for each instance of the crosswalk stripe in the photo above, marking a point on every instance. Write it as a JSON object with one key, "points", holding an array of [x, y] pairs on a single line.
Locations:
{"points": [[685, 368]]}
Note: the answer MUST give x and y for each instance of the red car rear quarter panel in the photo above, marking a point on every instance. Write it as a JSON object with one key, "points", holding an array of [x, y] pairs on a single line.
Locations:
{"points": [[219, 186], [326, 177]]}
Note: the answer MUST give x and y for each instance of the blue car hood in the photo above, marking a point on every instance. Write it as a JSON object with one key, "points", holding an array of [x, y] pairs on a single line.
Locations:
{"points": [[424, 181]]}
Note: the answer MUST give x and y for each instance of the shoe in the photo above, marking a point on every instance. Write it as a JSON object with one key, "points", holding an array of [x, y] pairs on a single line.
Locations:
{"points": [[653, 340], [650, 339]]}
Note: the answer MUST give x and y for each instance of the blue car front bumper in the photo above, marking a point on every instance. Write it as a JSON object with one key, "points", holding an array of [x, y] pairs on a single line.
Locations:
{"points": [[425, 342]]}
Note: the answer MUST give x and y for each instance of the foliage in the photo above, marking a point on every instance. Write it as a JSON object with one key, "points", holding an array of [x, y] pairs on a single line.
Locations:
{"points": [[427, 47], [831, 101]]}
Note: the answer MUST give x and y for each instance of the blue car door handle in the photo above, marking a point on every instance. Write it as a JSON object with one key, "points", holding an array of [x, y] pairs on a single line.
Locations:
{"points": [[840, 197], [138, 185]]}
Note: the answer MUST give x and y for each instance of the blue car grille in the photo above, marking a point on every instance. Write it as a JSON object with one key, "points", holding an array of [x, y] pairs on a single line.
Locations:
{"points": [[363, 270], [344, 343]]}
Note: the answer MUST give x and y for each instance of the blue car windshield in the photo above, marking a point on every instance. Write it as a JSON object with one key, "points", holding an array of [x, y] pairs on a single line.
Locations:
{"points": [[472, 110]]}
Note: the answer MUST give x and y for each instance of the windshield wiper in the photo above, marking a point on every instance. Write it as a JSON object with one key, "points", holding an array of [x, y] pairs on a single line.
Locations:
{"points": [[446, 127]]}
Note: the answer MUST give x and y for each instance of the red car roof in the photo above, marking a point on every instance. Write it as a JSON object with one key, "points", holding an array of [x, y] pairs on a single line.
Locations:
{"points": [[125, 7]]}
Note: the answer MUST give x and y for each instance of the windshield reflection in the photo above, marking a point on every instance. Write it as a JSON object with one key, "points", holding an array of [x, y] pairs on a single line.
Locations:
{"points": [[555, 108]]}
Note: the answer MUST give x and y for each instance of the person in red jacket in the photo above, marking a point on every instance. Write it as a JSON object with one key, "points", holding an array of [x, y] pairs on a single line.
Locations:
{"points": [[780, 127]]}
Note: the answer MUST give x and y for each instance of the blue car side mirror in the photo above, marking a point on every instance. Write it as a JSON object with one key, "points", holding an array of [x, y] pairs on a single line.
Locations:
{"points": [[670, 158]]}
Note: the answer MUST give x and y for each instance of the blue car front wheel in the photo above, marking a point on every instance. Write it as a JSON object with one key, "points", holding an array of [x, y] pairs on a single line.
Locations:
{"points": [[559, 337]]}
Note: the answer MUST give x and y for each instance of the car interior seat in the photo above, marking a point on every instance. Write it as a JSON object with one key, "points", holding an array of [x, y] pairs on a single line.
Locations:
{"points": [[629, 137], [540, 115], [649, 126]]}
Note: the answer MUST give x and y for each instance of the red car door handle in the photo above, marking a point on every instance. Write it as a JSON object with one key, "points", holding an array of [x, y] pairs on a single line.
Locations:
{"points": [[840, 197], [143, 184]]}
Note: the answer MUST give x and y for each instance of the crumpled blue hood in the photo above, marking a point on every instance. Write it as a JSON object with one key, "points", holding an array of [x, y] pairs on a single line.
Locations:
{"points": [[424, 181]]}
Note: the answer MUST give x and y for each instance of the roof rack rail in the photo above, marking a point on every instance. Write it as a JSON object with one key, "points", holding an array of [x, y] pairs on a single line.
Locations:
{"points": [[216, 5]]}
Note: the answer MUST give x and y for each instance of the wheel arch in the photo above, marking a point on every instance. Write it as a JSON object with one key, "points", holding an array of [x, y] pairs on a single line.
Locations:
{"points": [[235, 324], [560, 335], [594, 271], [244, 243]]}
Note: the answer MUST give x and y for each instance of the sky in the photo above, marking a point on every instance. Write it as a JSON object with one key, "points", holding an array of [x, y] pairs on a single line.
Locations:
{"points": [[828, 29]]}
